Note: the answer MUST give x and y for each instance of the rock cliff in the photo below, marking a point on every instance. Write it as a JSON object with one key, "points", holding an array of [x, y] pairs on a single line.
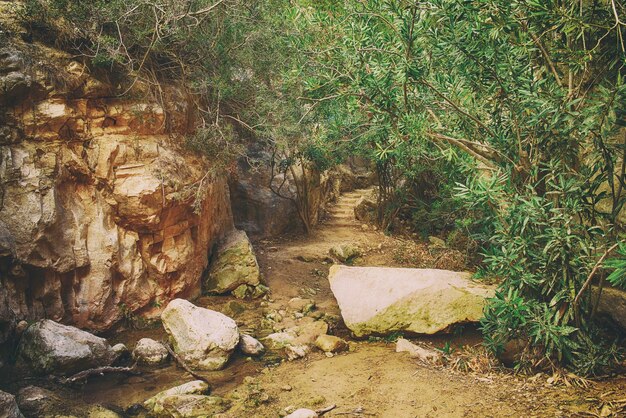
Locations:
{"points": [[103, 214]]}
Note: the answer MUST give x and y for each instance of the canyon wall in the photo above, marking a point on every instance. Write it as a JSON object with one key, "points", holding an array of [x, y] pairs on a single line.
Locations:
{"points": [[103, 216]]}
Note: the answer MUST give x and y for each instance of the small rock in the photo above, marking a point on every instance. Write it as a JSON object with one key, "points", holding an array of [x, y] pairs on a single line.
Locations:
{"points": [[37, 402], [8, 406], [287, 388], [437, 242], [21, 327], [259, 290], [317, 315], [250, 345], [330, 343], [345, 252], [150, 352], [120, 351], [296, 351], [306, 258], [301, 305], [513, 351], [243, 291], [302, 413], [365, 227], [365, 209], [416, 351], [279, 340]]}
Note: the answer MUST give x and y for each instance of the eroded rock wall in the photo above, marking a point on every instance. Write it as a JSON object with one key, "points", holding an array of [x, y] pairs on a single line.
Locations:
{"points": [[263, 214], [102, 214]]}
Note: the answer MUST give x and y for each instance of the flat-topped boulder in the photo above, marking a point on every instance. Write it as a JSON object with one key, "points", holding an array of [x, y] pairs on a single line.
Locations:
{"points": [[381, 300]]}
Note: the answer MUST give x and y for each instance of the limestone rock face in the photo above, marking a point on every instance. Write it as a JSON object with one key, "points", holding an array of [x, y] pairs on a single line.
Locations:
{"points": [[99, 217], [52, 348], [234, 266], [613, 304], [262, 213], [204, 339], [379, 300]]}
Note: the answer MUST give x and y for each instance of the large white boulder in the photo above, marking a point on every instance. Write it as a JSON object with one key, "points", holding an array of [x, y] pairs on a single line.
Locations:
{"points": [[204, 339], [380, 300]]}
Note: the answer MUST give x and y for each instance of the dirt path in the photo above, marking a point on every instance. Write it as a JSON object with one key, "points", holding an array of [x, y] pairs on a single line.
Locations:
{"points": [[373, 380]]}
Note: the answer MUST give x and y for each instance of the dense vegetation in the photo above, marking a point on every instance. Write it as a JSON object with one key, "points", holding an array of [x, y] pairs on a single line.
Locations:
{"points": [[501, 119]]}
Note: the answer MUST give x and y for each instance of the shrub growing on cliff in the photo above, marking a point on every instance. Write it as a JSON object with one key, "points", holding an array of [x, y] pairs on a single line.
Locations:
{"points": [[223, 54]]}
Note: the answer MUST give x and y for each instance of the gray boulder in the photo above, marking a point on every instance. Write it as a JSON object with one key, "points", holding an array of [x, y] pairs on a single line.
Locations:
{"points": [[37, 402], [8, 406], [52, 348]]}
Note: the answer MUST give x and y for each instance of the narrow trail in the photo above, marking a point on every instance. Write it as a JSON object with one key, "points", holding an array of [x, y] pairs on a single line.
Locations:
{"points": [[342, 212]]}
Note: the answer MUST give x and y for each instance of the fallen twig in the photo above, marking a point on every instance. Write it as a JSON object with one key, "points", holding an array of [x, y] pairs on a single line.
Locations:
{"points": [[326, 409], [355, 411], [98, 371], [182, 364]]}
